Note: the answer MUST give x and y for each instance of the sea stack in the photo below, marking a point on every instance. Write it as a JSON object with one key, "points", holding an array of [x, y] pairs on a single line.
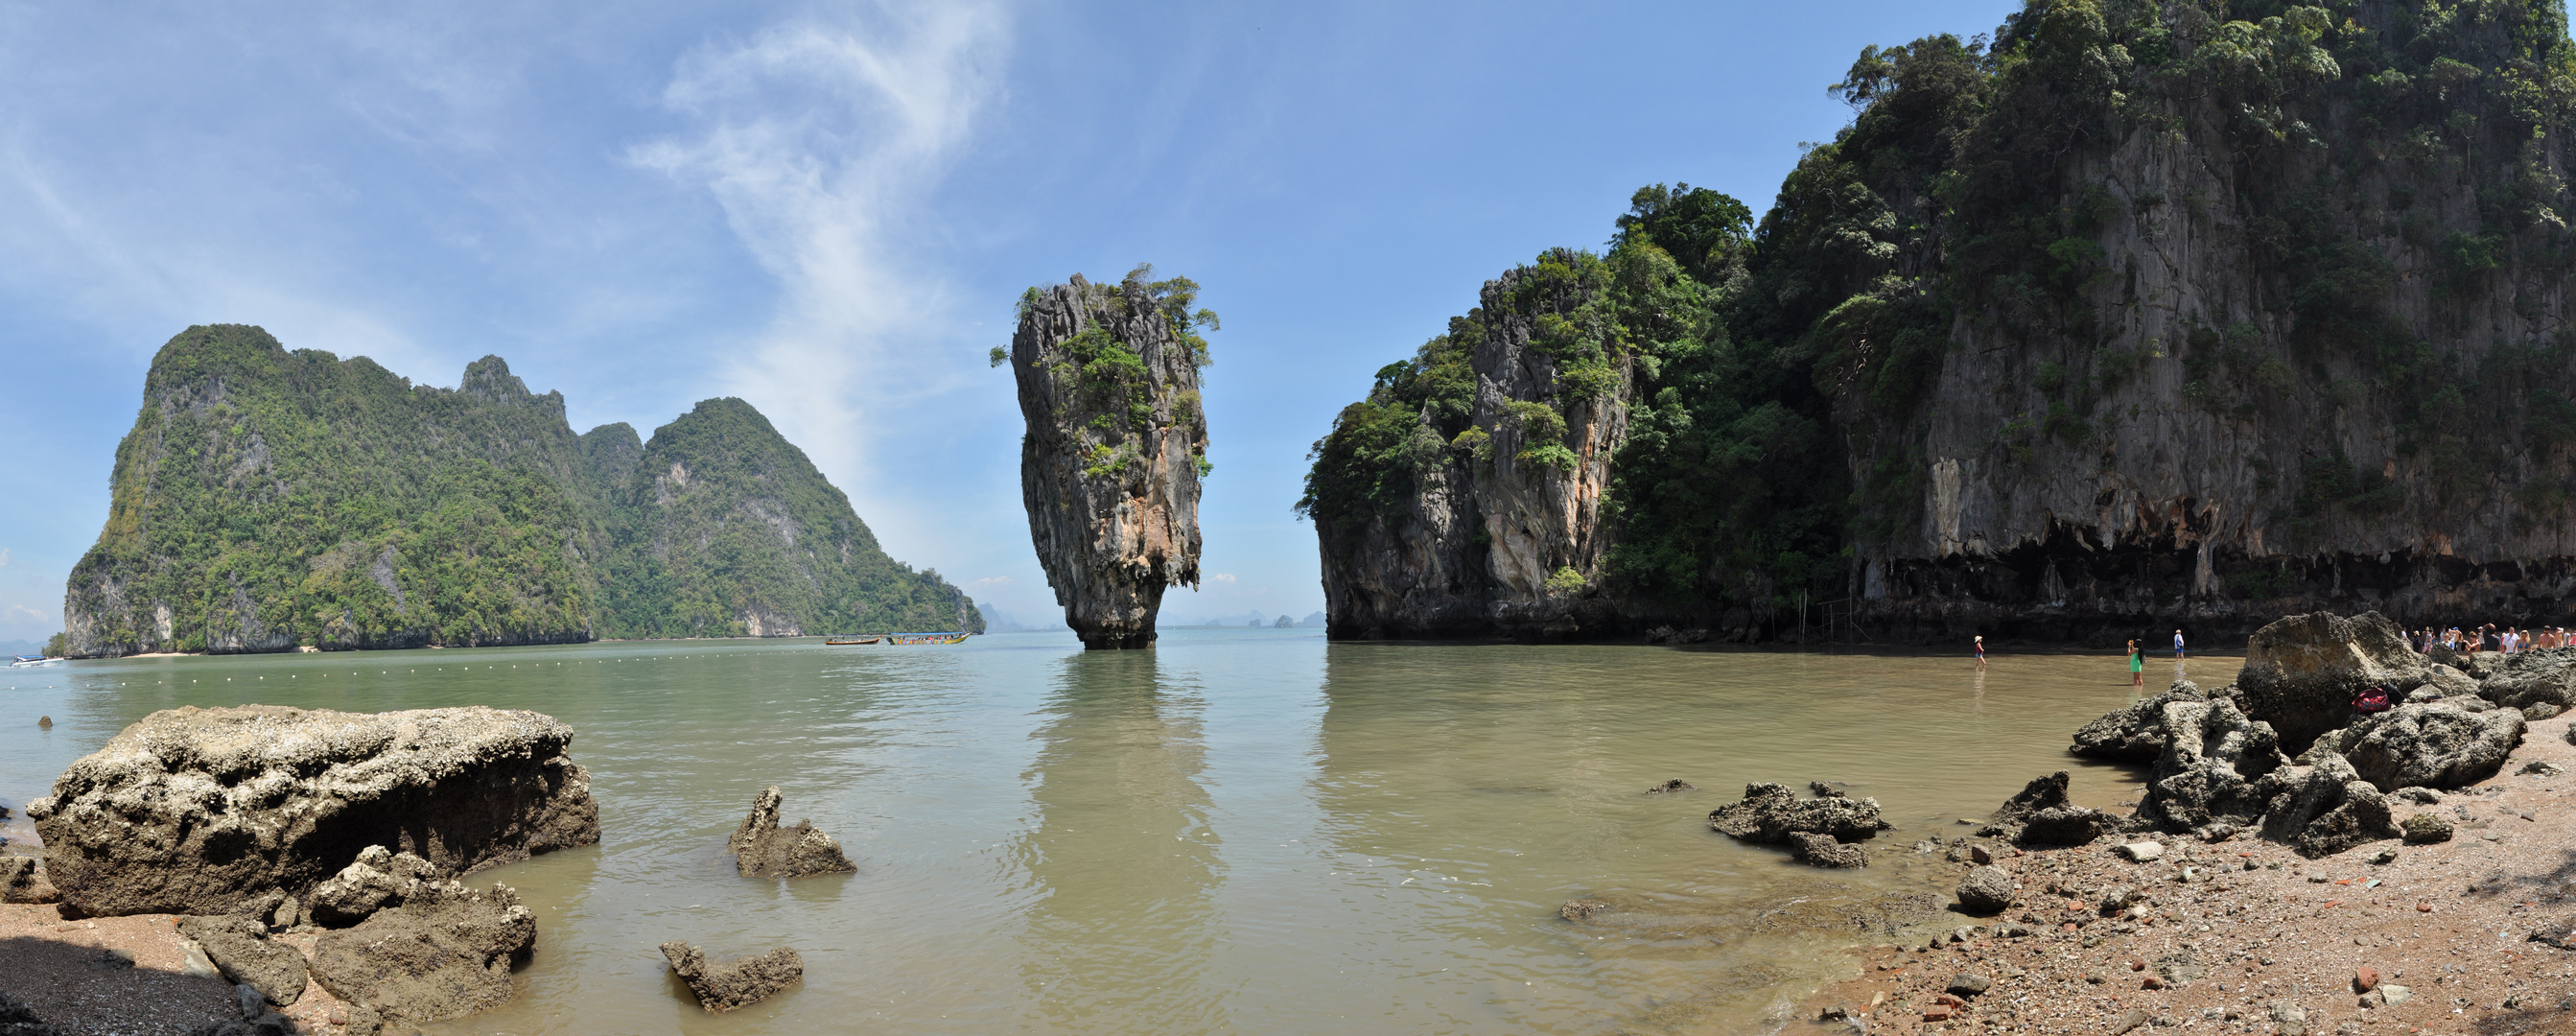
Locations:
{"points": [[1117, 442]]}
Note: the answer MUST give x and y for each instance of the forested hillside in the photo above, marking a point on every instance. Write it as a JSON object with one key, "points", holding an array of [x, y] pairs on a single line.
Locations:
{"points": [[269, 498], [2202, 311]]}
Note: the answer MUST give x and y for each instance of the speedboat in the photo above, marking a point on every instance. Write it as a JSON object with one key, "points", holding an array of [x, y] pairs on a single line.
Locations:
{"points": [[31, 660]]}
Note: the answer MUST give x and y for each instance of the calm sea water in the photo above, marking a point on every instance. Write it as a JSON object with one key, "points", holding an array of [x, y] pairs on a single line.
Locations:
{"points": [[1246, 831]]}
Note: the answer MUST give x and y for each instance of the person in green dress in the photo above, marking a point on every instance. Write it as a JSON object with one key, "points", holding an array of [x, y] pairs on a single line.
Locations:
{"points": [[2137, 665]]}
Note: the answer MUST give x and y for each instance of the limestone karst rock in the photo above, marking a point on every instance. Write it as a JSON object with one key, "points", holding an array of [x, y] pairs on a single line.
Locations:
{"points": [[2302, 672], [445, 953], [1109, 383], [722, 986], [763, 849], [217, 811], [1818, 831]]}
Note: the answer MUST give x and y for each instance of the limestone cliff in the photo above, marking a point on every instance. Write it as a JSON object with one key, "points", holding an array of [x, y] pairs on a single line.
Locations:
{"points": [[1109, 383], [2190, 313], [1496, 525]]}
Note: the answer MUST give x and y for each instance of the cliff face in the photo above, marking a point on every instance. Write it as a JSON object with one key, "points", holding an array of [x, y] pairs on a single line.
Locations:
{"points": [[268, 499], [2195, 313], [1497, 525], [726, 529], [1116, 444]]}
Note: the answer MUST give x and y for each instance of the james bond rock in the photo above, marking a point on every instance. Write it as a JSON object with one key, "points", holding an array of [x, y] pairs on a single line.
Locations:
{"points": [[1116, 444]]}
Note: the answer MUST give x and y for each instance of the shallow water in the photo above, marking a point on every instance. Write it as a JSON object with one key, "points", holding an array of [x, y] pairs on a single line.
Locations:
{"points": [[1246, 831]]}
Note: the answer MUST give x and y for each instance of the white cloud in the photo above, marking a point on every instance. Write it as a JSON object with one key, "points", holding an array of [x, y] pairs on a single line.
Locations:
{"points": [[821, 141], [992, 583], [4, 557], [16, 611], [1222, 577]]}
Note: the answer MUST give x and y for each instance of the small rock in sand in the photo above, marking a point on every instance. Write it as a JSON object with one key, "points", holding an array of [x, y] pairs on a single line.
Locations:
{"points": [[22, 880], [2425, 828], [1986, 890], [2143, 852], [2540, 768]]}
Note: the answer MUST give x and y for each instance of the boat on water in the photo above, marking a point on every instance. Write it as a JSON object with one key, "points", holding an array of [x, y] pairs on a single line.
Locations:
{"points": [[950, 637], [31, 660]]}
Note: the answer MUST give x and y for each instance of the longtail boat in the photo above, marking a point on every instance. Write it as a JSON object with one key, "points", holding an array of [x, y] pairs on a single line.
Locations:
{"points": [[852, 640], [951, 637]]}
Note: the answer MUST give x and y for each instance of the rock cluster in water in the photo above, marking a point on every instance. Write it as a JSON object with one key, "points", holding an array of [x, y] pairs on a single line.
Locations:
{"points": [[1109, 470], [445, 952], [217, 811], [722, 986], [763, 849], [1819, 831]]}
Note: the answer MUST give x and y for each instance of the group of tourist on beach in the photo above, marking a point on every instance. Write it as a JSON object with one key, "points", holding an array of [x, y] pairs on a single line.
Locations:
{"points": [[2507, 641]]}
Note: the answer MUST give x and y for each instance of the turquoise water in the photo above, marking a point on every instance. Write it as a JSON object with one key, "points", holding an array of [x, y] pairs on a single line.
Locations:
{"points": [[1245, 831]]}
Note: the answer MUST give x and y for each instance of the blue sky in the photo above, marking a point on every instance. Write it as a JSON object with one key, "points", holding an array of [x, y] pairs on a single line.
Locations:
{"points": [[828, 210]]}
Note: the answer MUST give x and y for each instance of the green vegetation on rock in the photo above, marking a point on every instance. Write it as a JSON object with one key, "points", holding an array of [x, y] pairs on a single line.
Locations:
{"points": [[269, 498]]}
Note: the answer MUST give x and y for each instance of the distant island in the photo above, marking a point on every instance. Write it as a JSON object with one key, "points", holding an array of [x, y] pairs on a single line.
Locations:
{"points": [[271, 500]]}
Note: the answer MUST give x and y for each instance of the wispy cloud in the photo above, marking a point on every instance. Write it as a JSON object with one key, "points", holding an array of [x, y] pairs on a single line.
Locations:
{"points": [[978, 586], [4, 557], [821, 141], [1222, 577]]}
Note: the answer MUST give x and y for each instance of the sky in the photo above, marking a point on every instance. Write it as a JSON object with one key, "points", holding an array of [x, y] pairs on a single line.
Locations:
{"points": [[829, 209]]}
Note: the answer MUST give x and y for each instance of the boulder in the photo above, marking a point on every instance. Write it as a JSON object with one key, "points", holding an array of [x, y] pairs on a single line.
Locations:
{"points": [[2302, 672], [2212, 768], [1672, 786], [2438, 746], [1823, 851], [1769, 812], [2423, 828], [2134, 733], [379, 878], [2325, 808], [2546, 677], [240, 949], [762, 849], [1986, 890], [2066, 825], [446, 952], [726, 985], [210, 811], [22, 880], [17, 1019], [2444, 681]]}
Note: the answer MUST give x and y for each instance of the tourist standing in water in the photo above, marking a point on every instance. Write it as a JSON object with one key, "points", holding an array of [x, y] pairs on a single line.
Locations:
{"points": [[2178, 652], [1980, 645], [2137, 665]]}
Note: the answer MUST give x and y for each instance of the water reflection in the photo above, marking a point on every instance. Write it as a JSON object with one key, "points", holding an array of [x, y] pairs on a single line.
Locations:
{"points": [[1121, 925]]}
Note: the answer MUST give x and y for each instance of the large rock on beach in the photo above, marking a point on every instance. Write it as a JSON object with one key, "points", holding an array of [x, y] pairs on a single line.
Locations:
{"points": [[2439, 746], [445, 953], [2302, 672], [2041, 815], [2134, 733], [2544, 677], [239, 948], [726, 985], [1769, 812], [2325, 808], [217, 811], [762, 849], [2213, 768]]}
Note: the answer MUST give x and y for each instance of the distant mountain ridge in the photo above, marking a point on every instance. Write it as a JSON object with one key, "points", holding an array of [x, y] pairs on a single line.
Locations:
{"points": [[268, 499]]}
